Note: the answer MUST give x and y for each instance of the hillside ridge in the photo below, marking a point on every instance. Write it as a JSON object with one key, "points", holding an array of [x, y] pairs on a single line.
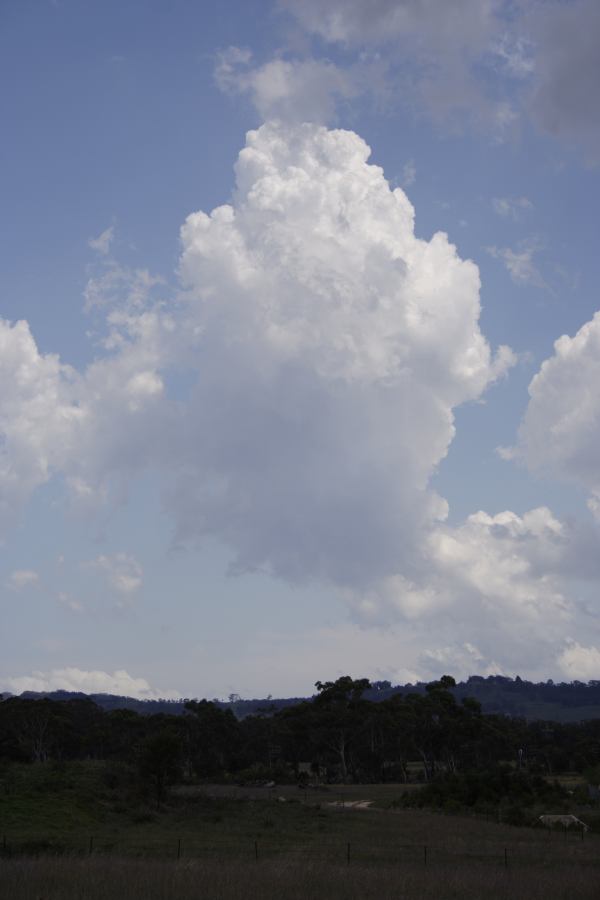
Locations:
{"points": [[560, 702]]}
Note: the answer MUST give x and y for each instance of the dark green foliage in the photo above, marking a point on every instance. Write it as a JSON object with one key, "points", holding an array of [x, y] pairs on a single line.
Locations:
{"points": [[212, 739], [343, 734], [512, 796], [159, 761]]}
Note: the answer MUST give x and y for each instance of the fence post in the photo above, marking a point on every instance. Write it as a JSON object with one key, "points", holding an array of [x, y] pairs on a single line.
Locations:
{"points": [[256, 850], [91, 845], [179, 848], [348, 854], [425, 855], [505, 858]]}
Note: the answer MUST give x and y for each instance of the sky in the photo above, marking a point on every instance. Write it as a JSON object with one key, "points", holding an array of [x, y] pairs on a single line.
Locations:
{"points": [[299, 343]]}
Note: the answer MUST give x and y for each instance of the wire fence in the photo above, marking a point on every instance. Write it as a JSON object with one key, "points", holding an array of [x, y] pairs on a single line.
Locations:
{"points": [[574, 849]]}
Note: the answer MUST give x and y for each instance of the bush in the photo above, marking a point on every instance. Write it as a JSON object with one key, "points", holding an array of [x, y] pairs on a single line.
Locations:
{"points": [[279, 773], [517, 792]]}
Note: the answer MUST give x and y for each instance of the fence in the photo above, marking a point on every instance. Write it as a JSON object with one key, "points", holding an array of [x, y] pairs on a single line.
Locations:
{"points": [[571, 849]]}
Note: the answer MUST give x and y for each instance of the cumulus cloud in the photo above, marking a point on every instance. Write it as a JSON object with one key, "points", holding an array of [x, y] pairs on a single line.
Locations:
{"points": [[325, 348], [560, 432], [334, 346], [22, 578], [88, 682], [37, 417], [87, 427], [459, 660], [516, 582], [580, 663], [508, 562]]}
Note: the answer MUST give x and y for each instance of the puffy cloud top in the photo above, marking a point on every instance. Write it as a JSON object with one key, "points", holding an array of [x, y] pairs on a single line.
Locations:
{"points": [[324, 254]]}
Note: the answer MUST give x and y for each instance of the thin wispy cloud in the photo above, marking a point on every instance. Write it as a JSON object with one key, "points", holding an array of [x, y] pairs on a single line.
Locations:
{"points": [[520, 263], [511, 207], [102, 243], [21, 579]]}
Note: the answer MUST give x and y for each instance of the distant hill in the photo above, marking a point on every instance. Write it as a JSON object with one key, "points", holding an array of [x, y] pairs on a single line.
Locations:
{"points": [[241, 708], [573, 702]]}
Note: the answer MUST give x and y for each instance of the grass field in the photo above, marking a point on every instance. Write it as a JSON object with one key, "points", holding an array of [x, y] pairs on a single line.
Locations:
{"points": [[118, 879], [69, 836]]}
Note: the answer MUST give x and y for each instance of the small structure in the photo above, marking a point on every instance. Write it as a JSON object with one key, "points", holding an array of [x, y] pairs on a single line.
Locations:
{"points": [[550, 821]]}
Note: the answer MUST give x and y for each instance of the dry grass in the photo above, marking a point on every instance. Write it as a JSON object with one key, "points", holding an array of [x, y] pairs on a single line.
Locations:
{"points": [[112, 879]]}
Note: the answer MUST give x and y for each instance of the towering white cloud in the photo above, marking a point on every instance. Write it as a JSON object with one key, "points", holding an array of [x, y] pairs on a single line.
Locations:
{"points": [[332, 347]]}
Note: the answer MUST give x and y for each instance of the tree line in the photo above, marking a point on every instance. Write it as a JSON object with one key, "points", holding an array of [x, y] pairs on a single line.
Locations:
{"points": [[337, 735]]}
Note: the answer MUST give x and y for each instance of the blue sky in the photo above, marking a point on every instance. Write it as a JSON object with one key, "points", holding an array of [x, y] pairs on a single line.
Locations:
{"points": [[263, 449]]}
